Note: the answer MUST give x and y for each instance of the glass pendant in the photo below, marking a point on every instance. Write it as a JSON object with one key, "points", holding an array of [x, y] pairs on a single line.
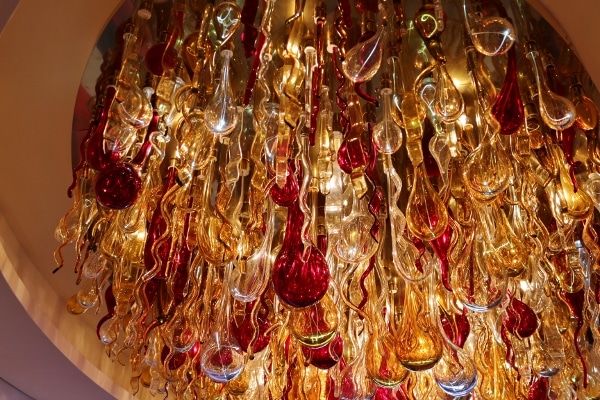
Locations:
{"points": [[221, 115], [419, 344], [426, 214], [557, 112], [300, 276]]}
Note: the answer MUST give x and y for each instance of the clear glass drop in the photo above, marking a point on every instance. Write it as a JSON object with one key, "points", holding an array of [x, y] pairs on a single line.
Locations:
{"points": [[354, 243], [387, 134], [408, 260], [487, 169], [492, 35], [220, 114], [449, 102], [548, 356], [132, 106], [364, 59], [88, 294], [426, 213], [250, 276], [478, 280], [222, 358], [556, 111], [455, 373]]}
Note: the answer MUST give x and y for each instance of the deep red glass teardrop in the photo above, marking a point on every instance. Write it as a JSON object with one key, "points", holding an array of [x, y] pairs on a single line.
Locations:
{"points": [[244, 331], [300, 278], [508, 108], [118, 186], [286, 195], [520, 319], [326, 356]]}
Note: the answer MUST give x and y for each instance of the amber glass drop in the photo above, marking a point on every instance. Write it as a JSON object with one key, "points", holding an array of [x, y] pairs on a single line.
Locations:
{"points": [[419, 343]]}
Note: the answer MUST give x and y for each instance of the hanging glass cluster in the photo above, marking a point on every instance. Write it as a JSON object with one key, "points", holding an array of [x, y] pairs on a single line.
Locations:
{"points": [[341, 200]]}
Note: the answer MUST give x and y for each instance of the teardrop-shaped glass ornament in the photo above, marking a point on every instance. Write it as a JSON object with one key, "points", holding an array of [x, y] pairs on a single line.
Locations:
{"points": [[300, 276], [585, 108], [354, 242], [220, 114], [327, 356], [455, 373], [491, 35], [222, 358], [383, 366], [316, 325], [364, 59], [487, 169], [473, 281], [499, 237], [548, 356], [557, 111], [449, 102], [426, 213], [508, 108], [387, 135], [520, 320], [250, 276], [244, 330], [419, 342]]}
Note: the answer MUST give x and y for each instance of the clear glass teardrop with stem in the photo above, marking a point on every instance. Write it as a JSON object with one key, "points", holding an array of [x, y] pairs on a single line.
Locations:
{"points": [[220, 114]]}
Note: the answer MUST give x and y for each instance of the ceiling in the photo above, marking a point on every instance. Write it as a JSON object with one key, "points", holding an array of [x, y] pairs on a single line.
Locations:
{"points": [[44, 47]]}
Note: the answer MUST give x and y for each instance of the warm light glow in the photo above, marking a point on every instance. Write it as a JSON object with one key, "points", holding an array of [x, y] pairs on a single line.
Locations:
{"points": [[265, 209]]}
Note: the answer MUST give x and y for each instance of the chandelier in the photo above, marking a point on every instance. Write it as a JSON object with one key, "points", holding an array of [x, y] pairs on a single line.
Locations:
{"points": [[341, 200]]}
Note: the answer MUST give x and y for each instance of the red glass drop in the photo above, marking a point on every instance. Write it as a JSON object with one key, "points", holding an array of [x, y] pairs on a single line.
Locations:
{"points": [[244, 331], [287, 195], [163, 56], [520, 319], [508, 108], [353, 153], [178, 359], [118, 186], [539, 390], [297, 282], [326, 356]]}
